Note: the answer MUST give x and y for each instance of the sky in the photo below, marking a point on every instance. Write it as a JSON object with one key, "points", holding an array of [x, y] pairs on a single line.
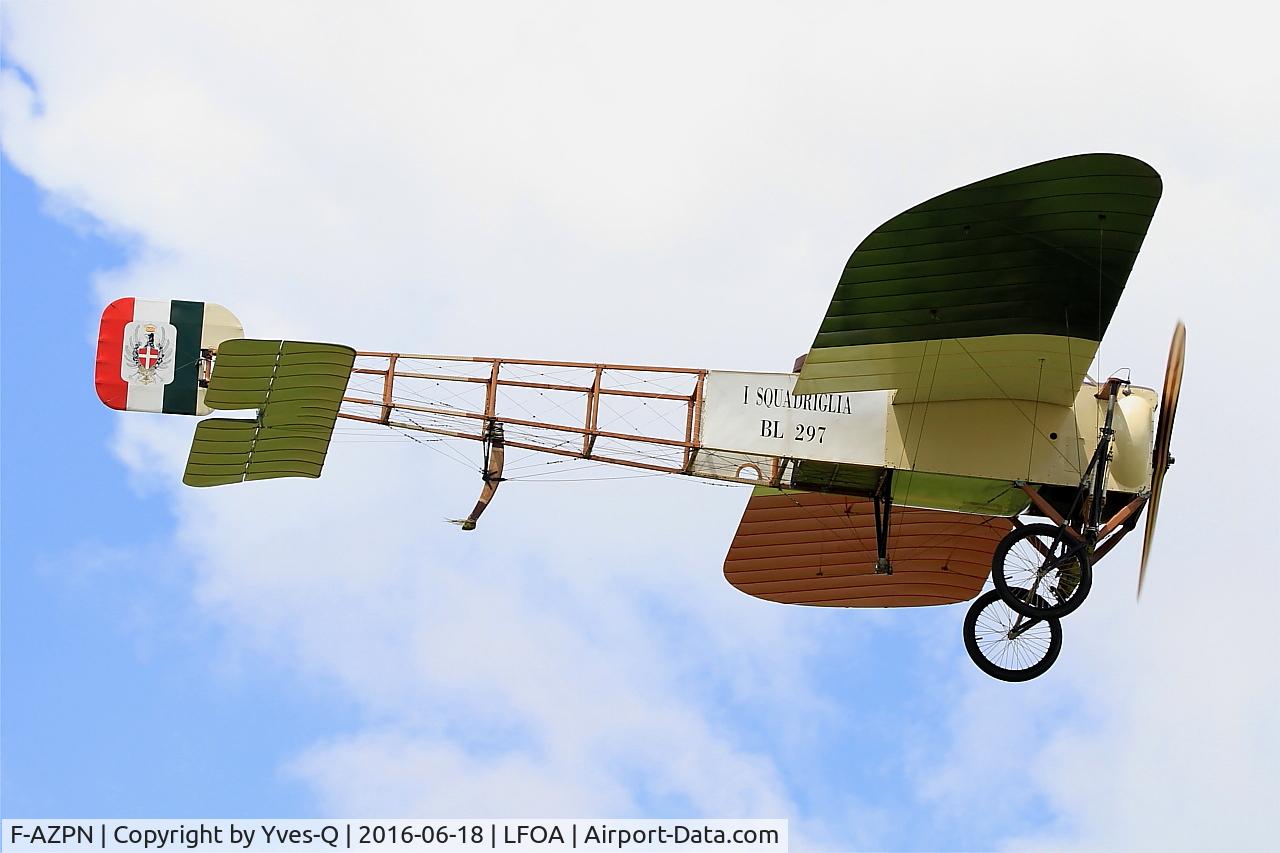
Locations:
{"points": [[673, 184]]}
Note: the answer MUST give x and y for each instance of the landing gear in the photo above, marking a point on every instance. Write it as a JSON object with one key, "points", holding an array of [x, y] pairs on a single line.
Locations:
{"points": [[1042, 572], [1051, 562], [1006, 644]]}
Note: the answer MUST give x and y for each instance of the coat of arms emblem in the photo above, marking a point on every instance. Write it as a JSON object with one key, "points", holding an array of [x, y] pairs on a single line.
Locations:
{"points": [[148, 353]]}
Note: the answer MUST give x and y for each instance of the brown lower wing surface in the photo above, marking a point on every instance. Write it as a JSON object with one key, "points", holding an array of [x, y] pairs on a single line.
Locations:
{"points": [[814, 548]]}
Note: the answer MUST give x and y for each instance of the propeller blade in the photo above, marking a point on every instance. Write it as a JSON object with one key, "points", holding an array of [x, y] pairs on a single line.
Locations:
{"points": [[1160, 458]]}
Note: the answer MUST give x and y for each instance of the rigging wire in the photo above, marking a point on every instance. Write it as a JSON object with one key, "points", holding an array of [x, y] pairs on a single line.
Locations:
{"points": [[445, 449], [594, 479], [842, 516], [1035, 420], [924, 419], [1009, 398], [1101, 218], [1075, 426]]}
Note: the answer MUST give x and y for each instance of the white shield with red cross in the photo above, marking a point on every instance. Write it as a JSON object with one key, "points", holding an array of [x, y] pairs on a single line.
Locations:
{"points": [[147, 355]]}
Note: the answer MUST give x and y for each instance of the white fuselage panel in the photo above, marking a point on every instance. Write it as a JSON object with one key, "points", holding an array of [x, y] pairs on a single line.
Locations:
{"points": [[756, 415]]}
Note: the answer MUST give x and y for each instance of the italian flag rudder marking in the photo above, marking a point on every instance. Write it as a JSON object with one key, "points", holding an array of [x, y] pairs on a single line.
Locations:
{"points": [[148, 357]]}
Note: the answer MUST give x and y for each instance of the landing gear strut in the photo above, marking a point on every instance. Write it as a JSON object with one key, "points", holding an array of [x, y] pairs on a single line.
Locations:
{"points": [[1043, 571]]}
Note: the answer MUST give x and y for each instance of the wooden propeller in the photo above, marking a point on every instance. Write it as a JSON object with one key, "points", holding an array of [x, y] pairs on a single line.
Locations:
{"points": [[1161, 458]]}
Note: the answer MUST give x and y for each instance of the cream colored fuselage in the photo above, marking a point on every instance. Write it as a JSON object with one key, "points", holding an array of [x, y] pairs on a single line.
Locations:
{"points": [[962, 455], [1024, 440]]}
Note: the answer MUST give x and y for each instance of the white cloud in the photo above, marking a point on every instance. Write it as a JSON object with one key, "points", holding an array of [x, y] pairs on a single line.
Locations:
{"points": [[676, 185]]}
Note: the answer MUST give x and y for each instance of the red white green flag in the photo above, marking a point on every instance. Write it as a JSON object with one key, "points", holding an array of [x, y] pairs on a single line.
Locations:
{"points": [[152, 353]]}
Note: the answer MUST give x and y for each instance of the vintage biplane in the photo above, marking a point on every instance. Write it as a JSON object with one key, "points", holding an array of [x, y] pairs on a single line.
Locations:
{"points": [[941, 429]]}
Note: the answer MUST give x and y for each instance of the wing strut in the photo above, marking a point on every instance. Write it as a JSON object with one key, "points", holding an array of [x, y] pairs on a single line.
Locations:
{"points": [[494, 453], [882, 504]]}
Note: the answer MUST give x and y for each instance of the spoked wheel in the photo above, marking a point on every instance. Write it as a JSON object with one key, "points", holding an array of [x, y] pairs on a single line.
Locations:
{"points": [[1047, 560], [1007, 645]]}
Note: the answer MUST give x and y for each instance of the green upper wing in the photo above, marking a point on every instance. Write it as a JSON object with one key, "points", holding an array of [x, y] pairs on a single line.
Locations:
{"points": [[1000, 289], [296, 387]]}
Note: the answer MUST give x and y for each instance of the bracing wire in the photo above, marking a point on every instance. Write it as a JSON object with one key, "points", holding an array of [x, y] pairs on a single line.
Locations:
{"points": [[1099, 351], [1009, 398], [1035, 420], [924, 420]]}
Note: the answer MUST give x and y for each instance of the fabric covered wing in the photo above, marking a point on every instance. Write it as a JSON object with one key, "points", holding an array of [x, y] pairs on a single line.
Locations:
{"points": [[225, 450], [296, 387], [817, 548], [1000, 289]]}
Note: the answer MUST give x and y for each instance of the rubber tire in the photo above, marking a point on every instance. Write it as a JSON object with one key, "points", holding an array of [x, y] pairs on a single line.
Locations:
{"points": [[991, 668], [1056, 611]]}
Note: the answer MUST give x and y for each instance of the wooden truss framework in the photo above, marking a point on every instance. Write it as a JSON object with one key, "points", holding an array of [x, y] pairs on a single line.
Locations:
{"points": [[581, 433]]}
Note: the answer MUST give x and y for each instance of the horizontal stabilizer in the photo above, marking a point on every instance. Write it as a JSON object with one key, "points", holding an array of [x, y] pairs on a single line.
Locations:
{"points": [[296, 387], [226, 450]]}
